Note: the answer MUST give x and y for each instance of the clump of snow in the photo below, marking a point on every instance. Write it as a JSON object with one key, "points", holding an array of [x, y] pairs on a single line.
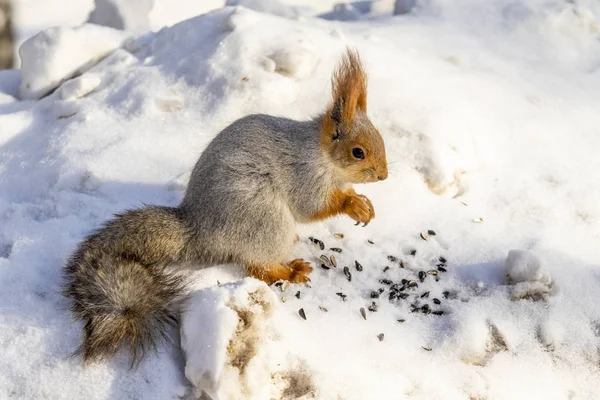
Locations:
{"points": [[57, 54], [122, 14], [231, 347], [530, 277], [80, 86]]}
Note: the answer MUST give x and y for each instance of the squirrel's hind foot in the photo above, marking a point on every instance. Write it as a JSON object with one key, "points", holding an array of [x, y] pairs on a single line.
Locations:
{"points": [[296, 272]]}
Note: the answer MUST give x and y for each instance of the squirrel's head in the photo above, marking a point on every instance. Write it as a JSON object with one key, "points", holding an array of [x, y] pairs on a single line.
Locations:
{"points": [[348, 137]]}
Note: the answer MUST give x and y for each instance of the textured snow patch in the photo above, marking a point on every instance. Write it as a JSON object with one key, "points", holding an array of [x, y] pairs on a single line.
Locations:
{"points": [[57, 54], [228, 340], [79, 87], [531, 279]]}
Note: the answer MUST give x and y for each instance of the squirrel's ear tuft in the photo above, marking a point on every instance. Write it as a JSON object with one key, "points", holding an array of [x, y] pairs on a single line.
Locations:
{"points": [[349, 88]]}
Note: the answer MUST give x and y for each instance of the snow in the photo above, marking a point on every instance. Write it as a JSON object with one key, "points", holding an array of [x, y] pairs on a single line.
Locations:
{"points": [[122, 14], [489, 114], [57, 54]]}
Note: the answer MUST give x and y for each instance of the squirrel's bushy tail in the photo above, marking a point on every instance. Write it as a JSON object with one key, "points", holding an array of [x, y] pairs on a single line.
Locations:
{"points": [[120, 283]]}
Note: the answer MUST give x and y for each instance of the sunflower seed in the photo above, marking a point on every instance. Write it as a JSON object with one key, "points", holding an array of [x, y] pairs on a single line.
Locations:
{"points": [[402, 264], [298, 294], [359, 267], [374, 295], [392, 259], [438, 313], [380, 337], [424, 236], [283, 299], [426, 348], [363, 313], [425, 295], [381, 290], [442, 260], [446, 294], [338, 235], [342, 296], [413, 252], [442, 269], [404, 281], [333, 261], [324, 259], [426, 309], [386, 269], [373, 307], [370, 241], [432, 272], [437, 301], [400, 320], [385, 281], [336, 249], [324, 266], [412, 284], [478, 220], [348, 274], [318, 243], [431, 232], [422, 275], [323, 309], [403, 296], [302, 313]]}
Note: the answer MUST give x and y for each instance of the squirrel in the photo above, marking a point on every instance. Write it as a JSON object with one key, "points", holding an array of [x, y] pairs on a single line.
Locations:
{"points": [[257, 179]]}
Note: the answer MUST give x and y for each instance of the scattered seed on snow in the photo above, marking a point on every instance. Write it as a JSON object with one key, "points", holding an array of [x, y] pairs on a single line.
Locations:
{"points": [[400, 320], [426, 348], [431, 232], [323, 309], [442, 269], [348, 274], [380, 337], [425, 295], [437, 301], [422, 275], [370, 241], [392, 258], [413, 252], [385, 281], [386, 269], [432, 272], [424, 236], [324, 266], [359, 267], [363, 313], [442, 260], [374, 295], [342, 295], [438, 313], [446, 294], [478, 220], [336, 249], [298, 294], [373, 307], [338, 235], [302, 313], [333, 261]]}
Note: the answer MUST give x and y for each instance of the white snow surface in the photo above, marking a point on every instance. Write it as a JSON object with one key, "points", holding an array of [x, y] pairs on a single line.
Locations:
{"points": [[489, 112]]}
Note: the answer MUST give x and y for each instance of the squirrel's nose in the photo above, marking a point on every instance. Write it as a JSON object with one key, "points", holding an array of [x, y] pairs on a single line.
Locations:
{"points": [[382, 175]]}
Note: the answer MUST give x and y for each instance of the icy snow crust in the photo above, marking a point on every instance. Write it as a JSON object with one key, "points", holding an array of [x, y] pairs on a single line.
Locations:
{"points": [[490, 120]]}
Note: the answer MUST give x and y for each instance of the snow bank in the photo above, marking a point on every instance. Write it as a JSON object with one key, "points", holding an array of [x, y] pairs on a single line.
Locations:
{"points": [[57, 54], [492, 146]]}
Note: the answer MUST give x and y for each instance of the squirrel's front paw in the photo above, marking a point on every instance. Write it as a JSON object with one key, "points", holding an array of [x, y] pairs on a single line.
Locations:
{"points": [[300, 270], [360, 209]]}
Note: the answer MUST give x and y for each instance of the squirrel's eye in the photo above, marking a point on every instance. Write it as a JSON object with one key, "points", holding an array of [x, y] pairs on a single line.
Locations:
{"points": [[358, 153]]}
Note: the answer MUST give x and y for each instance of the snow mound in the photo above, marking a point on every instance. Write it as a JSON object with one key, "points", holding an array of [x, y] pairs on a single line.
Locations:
{"points": [[122, 14], [530, 277], [57, 54], [231, 347]]}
